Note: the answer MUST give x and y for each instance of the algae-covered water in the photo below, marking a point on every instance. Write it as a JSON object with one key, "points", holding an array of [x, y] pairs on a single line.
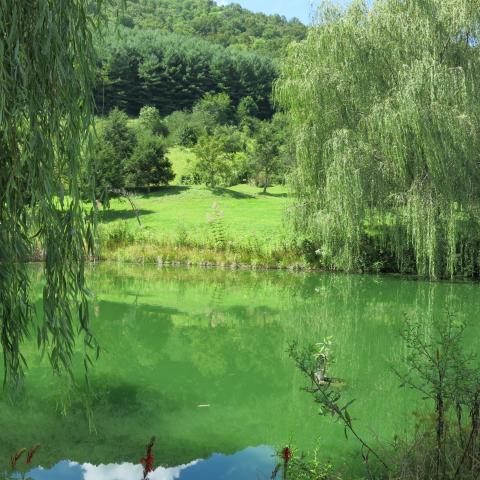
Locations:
{"points": [[197, 358]]}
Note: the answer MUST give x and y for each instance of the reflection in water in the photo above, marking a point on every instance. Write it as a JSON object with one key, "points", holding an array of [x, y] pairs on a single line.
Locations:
{"points": [[251, 463], [177, 340], [148, 459]]}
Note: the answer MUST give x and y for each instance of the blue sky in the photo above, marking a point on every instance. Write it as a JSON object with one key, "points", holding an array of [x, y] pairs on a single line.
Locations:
{"points": [[290, 8]]}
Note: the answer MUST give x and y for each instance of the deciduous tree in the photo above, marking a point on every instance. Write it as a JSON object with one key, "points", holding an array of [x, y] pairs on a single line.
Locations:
{"points": [[46, 79], [385, 107]]}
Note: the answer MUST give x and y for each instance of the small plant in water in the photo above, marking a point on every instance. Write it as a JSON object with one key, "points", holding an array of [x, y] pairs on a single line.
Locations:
{"points": [[296, 466], [314, 361], [285, 456], [438, 366], [31, 453], [16, 457]]}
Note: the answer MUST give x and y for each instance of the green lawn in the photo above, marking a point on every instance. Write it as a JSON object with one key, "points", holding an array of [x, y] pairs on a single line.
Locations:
{"points": [[175, 210], [168, 211], [182, 161]]}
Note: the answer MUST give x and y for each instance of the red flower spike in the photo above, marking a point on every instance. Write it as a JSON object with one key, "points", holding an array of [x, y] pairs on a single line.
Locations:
{"points": [[286, 454]]}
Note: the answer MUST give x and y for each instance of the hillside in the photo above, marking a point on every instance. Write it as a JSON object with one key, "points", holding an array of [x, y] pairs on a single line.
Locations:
{"points": [[229, 25], [172, 72], [170, 53]]}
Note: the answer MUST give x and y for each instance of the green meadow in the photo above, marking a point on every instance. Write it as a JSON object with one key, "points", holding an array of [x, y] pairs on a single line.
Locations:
{"points": [[164, 212], [196, 224]]}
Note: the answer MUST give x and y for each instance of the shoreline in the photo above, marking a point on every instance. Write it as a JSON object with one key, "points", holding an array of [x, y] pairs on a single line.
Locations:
{"points": [[225, 260]]}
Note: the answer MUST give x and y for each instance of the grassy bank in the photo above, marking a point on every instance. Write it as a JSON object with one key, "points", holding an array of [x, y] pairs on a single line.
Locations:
{"points": [[238, 227]]}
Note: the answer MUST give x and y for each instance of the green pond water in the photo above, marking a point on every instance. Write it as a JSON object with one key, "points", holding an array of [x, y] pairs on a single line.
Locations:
{"points": [[198, 358]]}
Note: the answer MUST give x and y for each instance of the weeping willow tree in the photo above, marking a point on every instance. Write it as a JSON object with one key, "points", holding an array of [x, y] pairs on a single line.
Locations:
{"points": [[386, 109], [46, 75]]}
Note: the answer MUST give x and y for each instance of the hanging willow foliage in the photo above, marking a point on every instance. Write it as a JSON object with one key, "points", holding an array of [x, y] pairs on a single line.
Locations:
{"points": [[46, 113], [386, 108]]}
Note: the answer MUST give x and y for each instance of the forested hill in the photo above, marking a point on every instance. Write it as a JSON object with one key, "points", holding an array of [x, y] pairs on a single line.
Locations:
{"points": [[229, 25], [170, 53], [172, 72]]}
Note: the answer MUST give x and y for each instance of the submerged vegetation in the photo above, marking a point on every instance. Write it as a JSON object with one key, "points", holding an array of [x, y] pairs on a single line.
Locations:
{"points": [[384, 102]]}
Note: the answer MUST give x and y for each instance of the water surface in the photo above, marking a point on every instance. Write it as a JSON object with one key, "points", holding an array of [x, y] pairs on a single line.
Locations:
{"points": [[198, 358]]}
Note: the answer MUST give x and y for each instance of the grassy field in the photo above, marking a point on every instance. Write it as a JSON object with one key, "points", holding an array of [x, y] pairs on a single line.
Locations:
{"points": [[195, 224], [244, 210], [182, 160]]}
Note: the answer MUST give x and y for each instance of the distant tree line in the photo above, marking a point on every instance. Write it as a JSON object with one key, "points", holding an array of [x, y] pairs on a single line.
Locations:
{"points": [[197, 75], [172, 72]]}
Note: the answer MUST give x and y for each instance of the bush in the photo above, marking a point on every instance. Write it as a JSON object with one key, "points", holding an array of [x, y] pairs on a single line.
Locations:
{"points": [[220, 158], [247, 108], [107, 168], [148, 165], [187, 136], [214, 110], [150, 119], [115, 235], [117, 133], [184, 128]]}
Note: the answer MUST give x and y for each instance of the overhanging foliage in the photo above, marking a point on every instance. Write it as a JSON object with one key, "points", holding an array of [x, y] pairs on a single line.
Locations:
{"points": [[46, 78], [386, 108]]}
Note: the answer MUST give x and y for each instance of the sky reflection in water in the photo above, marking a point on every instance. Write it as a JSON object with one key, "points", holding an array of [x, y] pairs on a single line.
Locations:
{"points": [[251, 463]]}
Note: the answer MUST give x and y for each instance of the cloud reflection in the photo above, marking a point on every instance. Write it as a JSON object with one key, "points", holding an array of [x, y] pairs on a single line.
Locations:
{"points": [[252, 462], [129, 471], [124, 471]]}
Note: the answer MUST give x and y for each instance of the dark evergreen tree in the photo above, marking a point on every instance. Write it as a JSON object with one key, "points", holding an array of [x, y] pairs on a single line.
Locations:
{"points": [[148, 165]]}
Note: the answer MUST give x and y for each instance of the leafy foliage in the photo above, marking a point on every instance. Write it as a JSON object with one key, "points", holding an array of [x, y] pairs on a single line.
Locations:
{"points": [[213, 110], [150, 119], [219, 156], [247, 108], [229, 25], [113, 147], [118, 134], [385, 108], [148, 166], [217, 226], [127, 156], [46, 78], [265, 154]]}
